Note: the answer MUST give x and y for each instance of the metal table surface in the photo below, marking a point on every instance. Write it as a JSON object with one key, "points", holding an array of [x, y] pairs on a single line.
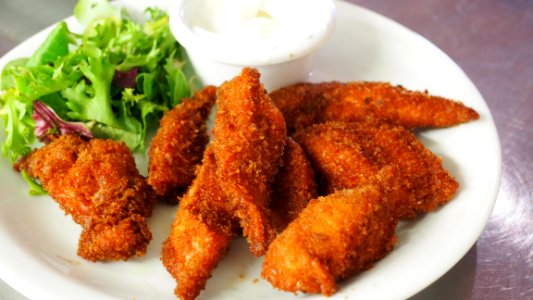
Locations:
{"points": [[492, 41]]}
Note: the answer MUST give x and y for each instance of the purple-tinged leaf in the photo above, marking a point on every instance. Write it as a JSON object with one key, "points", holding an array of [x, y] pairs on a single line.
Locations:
{"points": [[47, 122], [125, 79]]}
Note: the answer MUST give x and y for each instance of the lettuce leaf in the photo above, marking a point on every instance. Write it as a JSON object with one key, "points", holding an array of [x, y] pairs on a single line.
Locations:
{"points": [[86, 11], [55, 46], [35, 189], [74, 74]]}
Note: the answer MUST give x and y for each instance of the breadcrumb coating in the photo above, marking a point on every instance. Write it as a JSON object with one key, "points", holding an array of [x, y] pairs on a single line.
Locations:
{"points": [[305, 104], [178, 146], [294, 186], [249, 140], [98, 184], [334, 237], [345, 155], [201, 232]]}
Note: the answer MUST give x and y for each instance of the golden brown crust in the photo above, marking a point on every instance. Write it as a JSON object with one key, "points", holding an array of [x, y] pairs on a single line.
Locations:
{"points": [[345, 155], [427, 183], [305, 104], [178, 145], [249, 139], [333, 238], [116, 240], [338, 159], [301, 103], [54, 163], [201, 233], [98, 184], [294, 186]]}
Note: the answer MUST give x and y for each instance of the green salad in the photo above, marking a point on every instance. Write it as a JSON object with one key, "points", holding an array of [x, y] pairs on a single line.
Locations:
{"points": [[114, 80]]}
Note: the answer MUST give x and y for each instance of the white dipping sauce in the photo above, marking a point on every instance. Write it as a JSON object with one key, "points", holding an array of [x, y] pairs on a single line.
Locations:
{"points": [[263, 31], [278, 37]]}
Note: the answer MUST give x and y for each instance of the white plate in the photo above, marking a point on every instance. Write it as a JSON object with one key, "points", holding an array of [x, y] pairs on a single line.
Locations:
{"points": [[38, 243]]}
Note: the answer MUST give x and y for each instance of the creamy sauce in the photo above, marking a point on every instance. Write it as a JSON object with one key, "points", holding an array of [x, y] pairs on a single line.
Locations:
{"points": [[271, 27], [250, 18]]}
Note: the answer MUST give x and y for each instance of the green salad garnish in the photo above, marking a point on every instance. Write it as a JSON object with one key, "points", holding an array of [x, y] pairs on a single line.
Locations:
{"points": [[116, 78]]}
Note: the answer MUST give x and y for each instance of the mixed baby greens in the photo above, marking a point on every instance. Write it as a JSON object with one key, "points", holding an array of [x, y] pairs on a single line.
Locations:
{"points": [[115, 79]]}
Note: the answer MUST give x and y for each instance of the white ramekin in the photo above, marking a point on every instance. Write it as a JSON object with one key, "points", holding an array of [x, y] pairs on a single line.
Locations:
{"points": [[217, 58]]}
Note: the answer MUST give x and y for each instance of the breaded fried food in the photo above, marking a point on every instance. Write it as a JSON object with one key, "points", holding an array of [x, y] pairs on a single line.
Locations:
{"points": [[305, 104], [333, 238], [249, 137], [429, 185], [345, 154], [294, 186], [301, 104], [201, 233], [336, 156], [98, 184], [179, 144]]}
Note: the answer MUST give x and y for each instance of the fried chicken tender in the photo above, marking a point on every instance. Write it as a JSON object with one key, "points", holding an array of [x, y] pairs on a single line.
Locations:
{"points": [[333, 238], [201, 233], [179, 144], [249, 140], [294, 186], [345, 155], [305, 104], [98, 184], [336, 156]]}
